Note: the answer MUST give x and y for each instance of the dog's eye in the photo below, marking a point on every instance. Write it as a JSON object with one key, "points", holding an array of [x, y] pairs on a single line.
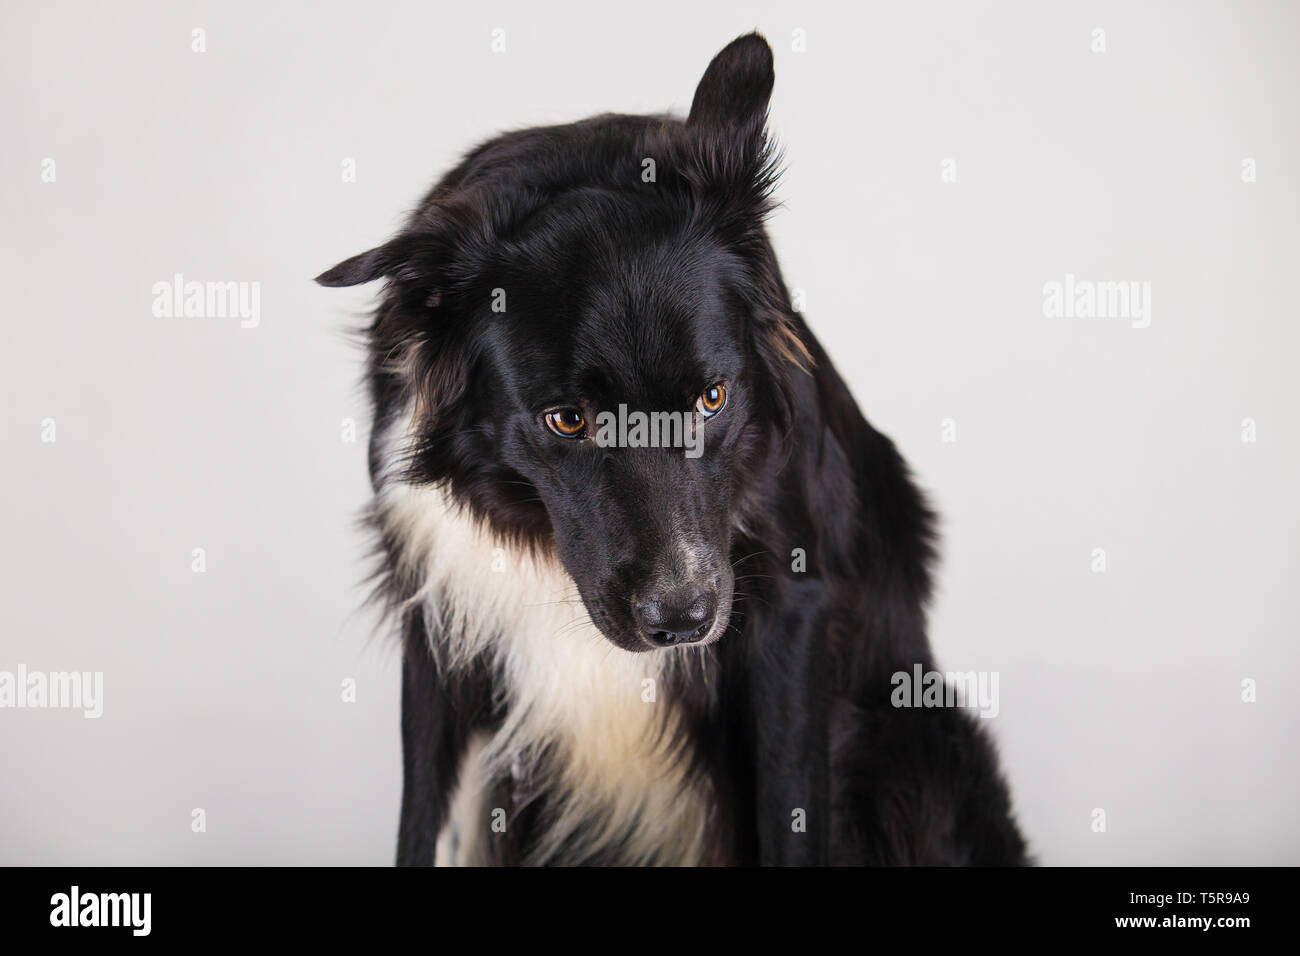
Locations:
{"points": [[712, 401], [567, 422]]}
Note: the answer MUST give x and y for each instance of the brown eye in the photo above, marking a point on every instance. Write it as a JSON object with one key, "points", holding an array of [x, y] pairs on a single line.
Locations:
{"points": [[711, 402], [566, 422]]}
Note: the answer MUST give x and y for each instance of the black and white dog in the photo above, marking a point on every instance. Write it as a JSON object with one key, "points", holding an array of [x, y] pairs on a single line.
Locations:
{"points": [[618, 652]]}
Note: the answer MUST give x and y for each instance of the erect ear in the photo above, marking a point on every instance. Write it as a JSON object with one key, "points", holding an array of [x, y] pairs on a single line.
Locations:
{"points": [[735, 89], [381, 261]]}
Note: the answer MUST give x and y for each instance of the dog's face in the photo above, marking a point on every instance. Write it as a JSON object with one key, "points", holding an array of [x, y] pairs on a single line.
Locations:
{"points": [[595, 359], [625, 325]]}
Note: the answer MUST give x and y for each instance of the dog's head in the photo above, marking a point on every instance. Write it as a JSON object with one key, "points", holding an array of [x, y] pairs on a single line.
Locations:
{"points": [[568, 301]]}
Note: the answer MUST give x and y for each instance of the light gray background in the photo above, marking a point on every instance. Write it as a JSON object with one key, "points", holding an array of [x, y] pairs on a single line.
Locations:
{"points": [[1119, 690]]}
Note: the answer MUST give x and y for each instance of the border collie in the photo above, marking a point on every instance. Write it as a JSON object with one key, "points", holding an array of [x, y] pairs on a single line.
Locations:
{"points": [[616, 652]]}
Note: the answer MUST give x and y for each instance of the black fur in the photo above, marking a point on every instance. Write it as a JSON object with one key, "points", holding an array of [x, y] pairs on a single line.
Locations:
{"points": [[623, 290]]}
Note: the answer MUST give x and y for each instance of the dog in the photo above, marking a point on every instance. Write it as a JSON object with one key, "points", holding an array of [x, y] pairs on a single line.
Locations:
{"points": [[616, 652]]}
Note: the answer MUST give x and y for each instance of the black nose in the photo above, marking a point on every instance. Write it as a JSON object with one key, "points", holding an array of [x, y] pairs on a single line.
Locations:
{"points": [[669, 620]]}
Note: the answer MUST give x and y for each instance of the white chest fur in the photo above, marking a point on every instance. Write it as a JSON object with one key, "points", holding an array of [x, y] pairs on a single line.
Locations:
{"points": [[588, 718]]}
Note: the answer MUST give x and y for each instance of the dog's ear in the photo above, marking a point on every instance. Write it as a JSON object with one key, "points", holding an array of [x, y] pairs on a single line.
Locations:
{"points": [[730, 158], [734, 163], [733, 94], [368, 266], [365, 267]]}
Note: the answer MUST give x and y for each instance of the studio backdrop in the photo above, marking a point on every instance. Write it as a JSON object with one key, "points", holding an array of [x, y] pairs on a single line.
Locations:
{"points": [[1052, 247]]}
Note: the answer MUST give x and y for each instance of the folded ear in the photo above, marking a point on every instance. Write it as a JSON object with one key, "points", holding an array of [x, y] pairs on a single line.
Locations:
{"points": [[735, 89], [381, 261], [365, 267]]}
